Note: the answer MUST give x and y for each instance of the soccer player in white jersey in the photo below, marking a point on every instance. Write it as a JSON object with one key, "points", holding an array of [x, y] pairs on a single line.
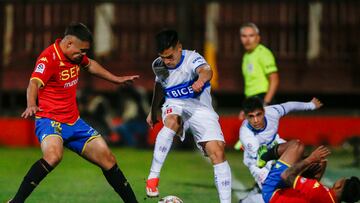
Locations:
{"points": [[260, 131], [182, 77]]}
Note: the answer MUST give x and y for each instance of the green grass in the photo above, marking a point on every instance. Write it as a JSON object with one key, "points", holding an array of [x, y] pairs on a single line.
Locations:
{"points": [[185, 174]]}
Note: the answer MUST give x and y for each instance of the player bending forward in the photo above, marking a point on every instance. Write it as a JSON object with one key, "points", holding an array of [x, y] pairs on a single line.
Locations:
{"points": [[57, 123], [182, 77]]}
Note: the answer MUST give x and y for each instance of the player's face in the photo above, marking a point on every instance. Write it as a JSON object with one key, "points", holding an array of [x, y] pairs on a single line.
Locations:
{"points": [[249, 38], [76, 49], [171, 56], [256, 118]]}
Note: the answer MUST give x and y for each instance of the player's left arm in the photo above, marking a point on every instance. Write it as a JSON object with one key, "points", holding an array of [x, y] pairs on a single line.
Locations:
{"points": [[96, 69], [205, 75]]}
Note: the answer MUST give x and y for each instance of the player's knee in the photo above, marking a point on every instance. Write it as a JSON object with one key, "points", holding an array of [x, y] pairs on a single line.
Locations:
{"points": [[173, 122], [298, 145], [217, 155], [109, 160], [53, 158]]}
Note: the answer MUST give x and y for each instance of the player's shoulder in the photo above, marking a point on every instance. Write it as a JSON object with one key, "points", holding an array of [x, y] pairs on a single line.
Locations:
{"points": [[245, 130], [192, 55], [158, 62], [48, 55], [159, 68], [274, 110]]}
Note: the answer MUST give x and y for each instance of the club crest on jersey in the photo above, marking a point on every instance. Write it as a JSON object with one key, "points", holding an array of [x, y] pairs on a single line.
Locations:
{"points": [[40, 68], [250, 67]]}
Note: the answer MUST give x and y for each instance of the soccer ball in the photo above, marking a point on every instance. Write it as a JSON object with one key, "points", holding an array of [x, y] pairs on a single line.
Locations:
{"points": [[170, 199]]}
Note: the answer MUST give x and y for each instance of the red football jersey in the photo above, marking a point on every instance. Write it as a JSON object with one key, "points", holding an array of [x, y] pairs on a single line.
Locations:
{"points": [[305, 190], [59, 78]]}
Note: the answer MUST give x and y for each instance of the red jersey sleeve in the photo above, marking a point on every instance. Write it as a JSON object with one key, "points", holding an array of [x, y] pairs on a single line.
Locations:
{"points": [[85, 62], [43, 70], [313, 191]]}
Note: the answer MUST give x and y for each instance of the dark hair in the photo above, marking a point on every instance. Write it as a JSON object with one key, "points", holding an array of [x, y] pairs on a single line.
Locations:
{"points": [[251, 104], [80, 31], [166, 39], [351, 191]]}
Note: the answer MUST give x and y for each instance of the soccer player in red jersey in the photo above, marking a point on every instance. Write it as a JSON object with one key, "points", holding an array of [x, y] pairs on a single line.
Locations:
{"points": [[53, 83], [287, 181]]}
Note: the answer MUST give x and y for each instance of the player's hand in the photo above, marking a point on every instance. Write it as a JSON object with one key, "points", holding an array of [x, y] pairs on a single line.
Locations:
{"points": [[241, 115], [319, 154], [127, 80], [151, 120], [30, 111], [316, 102], [197, 86]]}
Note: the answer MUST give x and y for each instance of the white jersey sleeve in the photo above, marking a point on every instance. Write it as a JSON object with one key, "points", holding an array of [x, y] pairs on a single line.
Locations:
{"points": [[197, 61], [285, 108]]}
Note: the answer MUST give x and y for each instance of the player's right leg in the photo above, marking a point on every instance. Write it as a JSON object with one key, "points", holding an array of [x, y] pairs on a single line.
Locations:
{"points": [[52, 148], [164, 139]]}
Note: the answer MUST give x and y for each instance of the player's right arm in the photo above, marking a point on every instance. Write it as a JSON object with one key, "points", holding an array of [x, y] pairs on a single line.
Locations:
{"points": [[158, 96], [251, 145], [31, 96]]}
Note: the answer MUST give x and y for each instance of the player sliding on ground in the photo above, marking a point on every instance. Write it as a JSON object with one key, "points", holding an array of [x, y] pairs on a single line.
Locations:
{"points": [[57, 123], [182, 77], [293, 179], [260, 131]]}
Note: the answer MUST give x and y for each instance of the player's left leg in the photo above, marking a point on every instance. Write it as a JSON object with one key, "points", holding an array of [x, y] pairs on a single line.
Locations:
{"points": [[215, 150], [97, 152]]}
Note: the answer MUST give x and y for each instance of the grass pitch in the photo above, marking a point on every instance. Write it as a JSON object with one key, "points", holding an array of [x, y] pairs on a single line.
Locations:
{"points": [[185, 174]]}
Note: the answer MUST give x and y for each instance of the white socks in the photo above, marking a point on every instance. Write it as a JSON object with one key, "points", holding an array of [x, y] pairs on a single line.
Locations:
{"points": [[163, 144], [223, 181]]}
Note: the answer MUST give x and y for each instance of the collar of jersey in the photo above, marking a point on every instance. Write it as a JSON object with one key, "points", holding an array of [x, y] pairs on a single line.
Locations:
{"points": [[255, 130], [58, 51], [180, 62]]}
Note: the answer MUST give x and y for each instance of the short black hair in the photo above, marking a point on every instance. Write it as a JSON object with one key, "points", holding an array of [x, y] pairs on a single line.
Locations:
{"points": [[251, 104], [165, 39], [351, 191], [80, 31]]}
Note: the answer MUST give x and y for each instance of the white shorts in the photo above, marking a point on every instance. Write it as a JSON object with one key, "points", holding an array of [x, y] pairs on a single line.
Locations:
{"points": [[202, 121]]}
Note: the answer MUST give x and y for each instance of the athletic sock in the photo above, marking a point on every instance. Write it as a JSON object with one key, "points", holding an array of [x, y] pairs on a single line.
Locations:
{"points": [[35, 175], [271, 154], [117, 180], [162, 146], [223, 181]]}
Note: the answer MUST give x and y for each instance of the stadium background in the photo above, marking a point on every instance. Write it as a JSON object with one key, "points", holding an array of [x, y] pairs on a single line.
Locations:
{"points": [[315, 44]]}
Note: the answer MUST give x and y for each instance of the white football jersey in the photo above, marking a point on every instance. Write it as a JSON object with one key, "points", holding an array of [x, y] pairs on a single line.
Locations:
{"points": [[177, 81], [252, 139]]}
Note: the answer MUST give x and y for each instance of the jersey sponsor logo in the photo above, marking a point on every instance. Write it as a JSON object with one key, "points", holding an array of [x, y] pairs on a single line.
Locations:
{"points": [[69, 73], [183, 91], [71, 83], [44, 59], [199, 59], [40, 68], [302, 180]]}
